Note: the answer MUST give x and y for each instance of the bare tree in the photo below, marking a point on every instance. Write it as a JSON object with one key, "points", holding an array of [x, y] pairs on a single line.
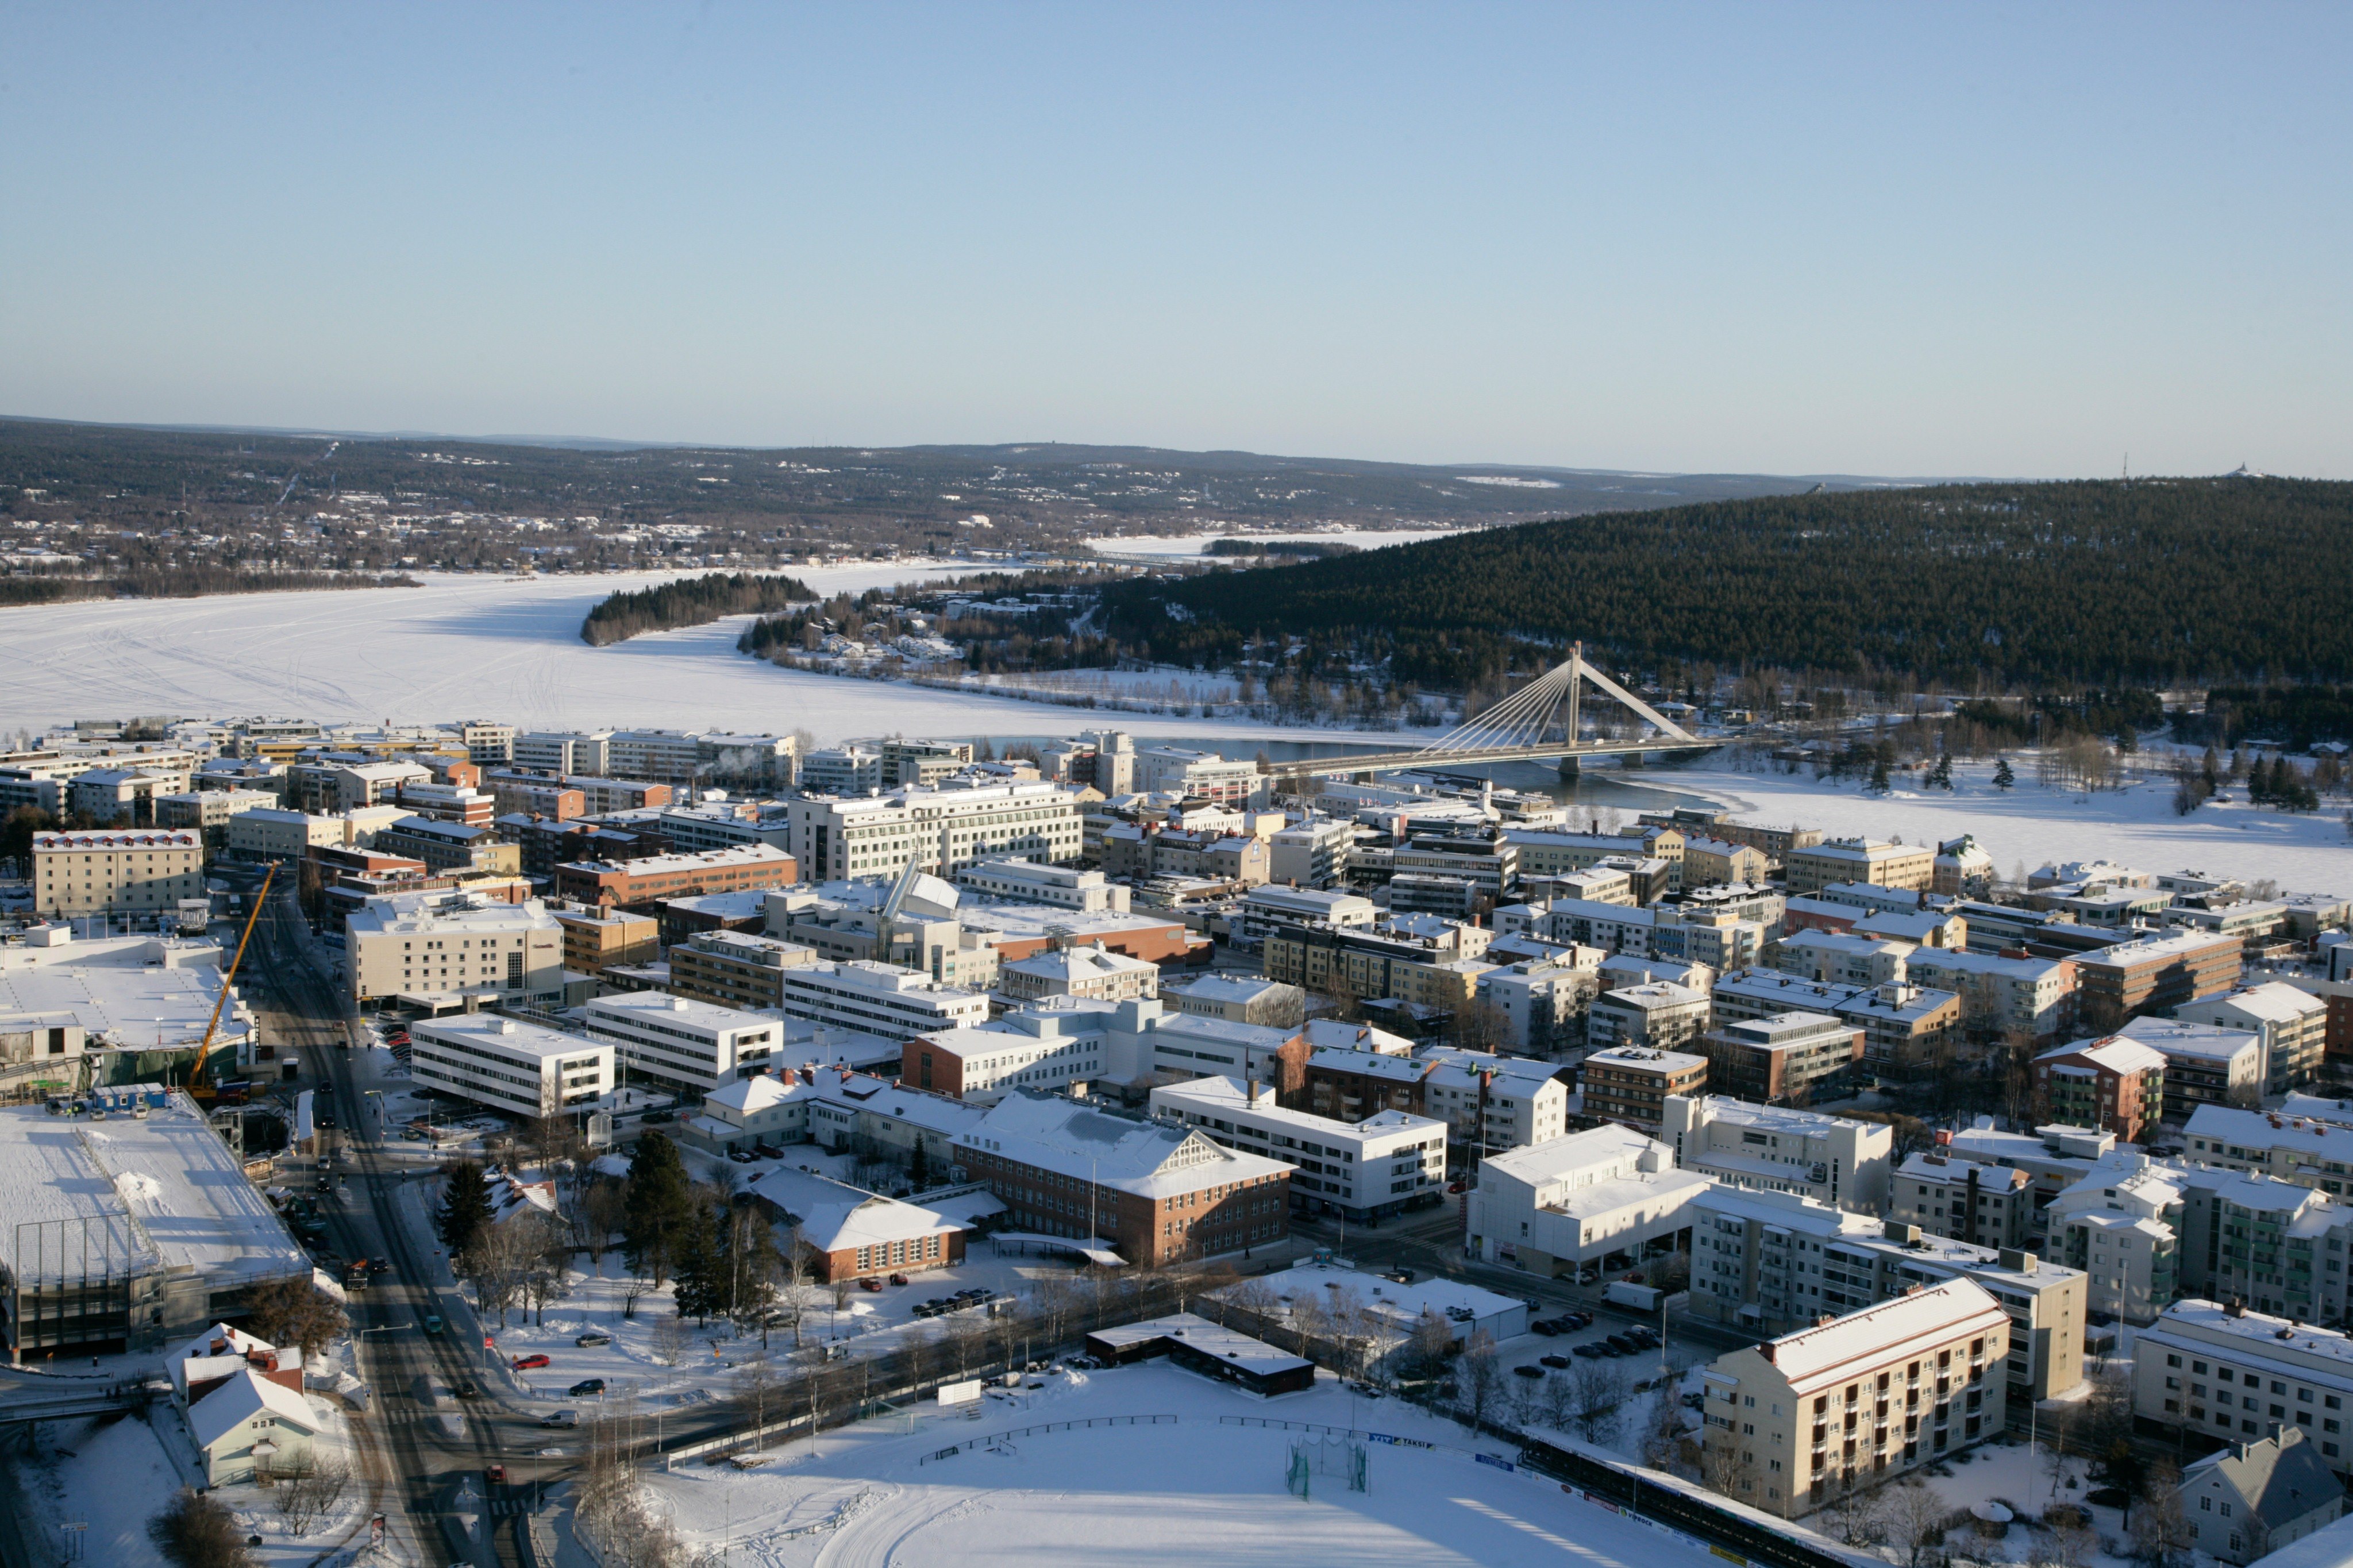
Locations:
{"points": [[1559, 1403], [596, 1217], [1663, 1438], [1721, 1468], [1478, 1379], [2161, 1536], [635, 1286], [1855, 1512], [667, 1340], [312, 1489], [1913, 1517], [757, 1383], [1598, 1388]]}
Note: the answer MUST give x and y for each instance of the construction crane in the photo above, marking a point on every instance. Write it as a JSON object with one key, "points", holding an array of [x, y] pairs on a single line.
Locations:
{"points": [[212, 1024]]}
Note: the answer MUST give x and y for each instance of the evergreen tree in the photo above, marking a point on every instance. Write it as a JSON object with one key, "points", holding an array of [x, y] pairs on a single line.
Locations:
{"points": [[465, 1207], [2003, 777], [703, 1267], [1879, 780], [1942, 776], [657, 1203], [918, 1168]]}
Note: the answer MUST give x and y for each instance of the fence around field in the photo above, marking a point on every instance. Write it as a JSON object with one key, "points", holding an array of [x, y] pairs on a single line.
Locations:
{"points": [[970, 1444]]}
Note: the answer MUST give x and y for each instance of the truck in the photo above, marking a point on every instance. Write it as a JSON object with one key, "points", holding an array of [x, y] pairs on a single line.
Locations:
{"points": [[1624, 1293], [355, 1274]]}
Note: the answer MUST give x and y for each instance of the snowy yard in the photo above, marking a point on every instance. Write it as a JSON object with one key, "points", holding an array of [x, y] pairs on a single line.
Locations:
{"points": [[1202, 1489]]}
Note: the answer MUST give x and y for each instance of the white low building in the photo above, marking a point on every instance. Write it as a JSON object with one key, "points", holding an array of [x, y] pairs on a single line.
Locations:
{"points": [[1028, 882], [524, 1069], [1833, 1160], [1314, 1295], [878, 999], [688, 1046], [1361, 1170], [765, 1107], [1581, 1205]]}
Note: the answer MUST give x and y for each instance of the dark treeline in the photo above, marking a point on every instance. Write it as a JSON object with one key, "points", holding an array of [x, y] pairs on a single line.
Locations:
{"points": [[1306, 549], [184, 582], [2079, 584], [2295, 716], [689, 602]]}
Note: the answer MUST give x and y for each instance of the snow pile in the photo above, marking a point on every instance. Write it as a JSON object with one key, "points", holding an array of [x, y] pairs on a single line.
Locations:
{"points": [[136, 1188]]}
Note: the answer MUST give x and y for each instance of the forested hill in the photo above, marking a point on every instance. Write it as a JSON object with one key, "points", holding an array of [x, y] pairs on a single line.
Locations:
{"points": [[2149, 582]]}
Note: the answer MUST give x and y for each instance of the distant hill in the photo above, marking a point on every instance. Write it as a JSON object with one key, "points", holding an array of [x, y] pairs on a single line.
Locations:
{"points": [[2149, 582]]}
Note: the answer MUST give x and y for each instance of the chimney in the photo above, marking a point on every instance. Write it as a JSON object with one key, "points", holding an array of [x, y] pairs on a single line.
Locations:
{"points": [[2234, 1307]]}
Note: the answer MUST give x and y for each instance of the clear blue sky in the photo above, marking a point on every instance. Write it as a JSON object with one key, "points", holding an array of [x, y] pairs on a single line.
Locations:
{"points": [[1884, 238]]}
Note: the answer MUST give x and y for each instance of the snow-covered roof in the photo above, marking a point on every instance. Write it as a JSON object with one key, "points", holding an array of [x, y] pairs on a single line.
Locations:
{"points": [[1330, 1034], [2273, 1002], [135, 992], [1148, 1158], [164, 1188], [1230, 1346], [834, 1216], [2174, 1038], [1557, 1158], [764, 1091], [2117, 1054], [2224, 1124], [1816, 1358], [1242, 988], [245, 1395], [1074, 965]]}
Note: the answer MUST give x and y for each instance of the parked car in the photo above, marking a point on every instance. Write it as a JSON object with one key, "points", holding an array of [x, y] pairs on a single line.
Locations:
{"points": [[660, 1116], [1545, 1327], [868, 1282], [898, 1279], [561, 1418], [1555, 1361], [586, 1387], [469, 1389], [1527, 1371], [594, 1337], [526, 1362], [495, 1474], [1587, 1351], [432, 1322]]}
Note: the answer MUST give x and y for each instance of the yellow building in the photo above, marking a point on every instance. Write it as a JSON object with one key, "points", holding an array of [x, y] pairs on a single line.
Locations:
{"points": [[113, 871]]}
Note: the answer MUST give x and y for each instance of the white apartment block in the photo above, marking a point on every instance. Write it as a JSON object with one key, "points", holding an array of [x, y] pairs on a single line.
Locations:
{"points": [[942, 831], [116, 872], [667, 756], [2205, 1064], [437, 945], [1904, 866], [1493, 1102], [2121, 1224], [690, 1046], [1054, 1047], [842, 770], [1313, 854], [1985, 1205], [1544, 1002], [2033, 997], [876, 998], [1360, 1170], [1091, 973], [1842, 958], [523, 1069], [1197, 776], [1612, 928], [1263, 908], [564, 752], [125, 796], [1662, 1016], [1833, 1160], [2230, 1374], [1028, 882], [2291, 1024], [1582, 1204], [1906, 1382]]}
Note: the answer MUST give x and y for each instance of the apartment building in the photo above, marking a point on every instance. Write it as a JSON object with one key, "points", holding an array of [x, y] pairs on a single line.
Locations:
{"points": [[2229, 1375], [1424, 968], [2204, 1065], [1055, 1046], [1544, 1002], [2280, 1247], [1833, 1160], [1141, 852], [208, 811], [1661, 1016], [1904, 1025], [1841, 958], [523, 1069], [876, 998], [1157, 1194], [448, 802], [547, 843], [2028, 999], [595, 939], [1715, 862], [116, 872], [564, 752], [1768, 1262], [1197, 776], [2305, 1150], [1090, 972], [445, 846], [1545, 852], [600, 795], [1312, 853], [941, 831], [734, 969], [2291, 1024], [2115, 1083], [1581, 1205], [1265, 909], [683, 1044], [441, 943], [1985, 1205], [650, 879], [1803, 1418], [2153, 975], [124, 797], [1238, 999], [1359, 1170], [2121, 1224], [1783, 1058], [848, 771], [530, 795], [1632, 1084], [1904, 866]]}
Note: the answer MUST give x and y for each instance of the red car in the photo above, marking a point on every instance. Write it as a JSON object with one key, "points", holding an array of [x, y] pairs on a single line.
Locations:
{"points": [[497, 1475], [525, 1363], [868, 1282]]}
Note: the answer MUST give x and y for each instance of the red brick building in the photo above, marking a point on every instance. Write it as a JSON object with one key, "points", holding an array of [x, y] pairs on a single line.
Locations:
{"points": [[646, 881], [2116, 1083], [2156, 974], [1153, 1193], [849, 1233]]}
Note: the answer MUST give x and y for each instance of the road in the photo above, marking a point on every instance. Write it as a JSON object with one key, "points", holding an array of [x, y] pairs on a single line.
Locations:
{"points": [[416, 1470]]}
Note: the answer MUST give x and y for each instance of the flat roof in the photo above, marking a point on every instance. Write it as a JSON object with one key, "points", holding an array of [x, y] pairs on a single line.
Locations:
{"points": [[685, 1010], [512, 1035], [1214, 1339], [133, 992], [163, 1187]]}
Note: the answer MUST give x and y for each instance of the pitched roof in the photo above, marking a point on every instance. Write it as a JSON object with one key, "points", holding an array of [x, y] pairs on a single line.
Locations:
{"points": [[242, 1395], [1843, 1347], [2282, 1477]]}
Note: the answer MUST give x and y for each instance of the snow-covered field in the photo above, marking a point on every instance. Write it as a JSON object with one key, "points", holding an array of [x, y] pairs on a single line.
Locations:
{"points": [[2030, 825], [1196, 1491], [462, 646]]}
